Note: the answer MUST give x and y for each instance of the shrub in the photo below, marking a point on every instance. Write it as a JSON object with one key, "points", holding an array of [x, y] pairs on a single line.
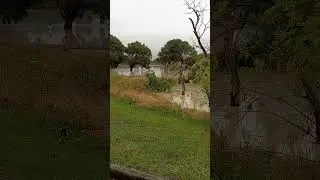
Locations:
{"points": [[157, 84]]}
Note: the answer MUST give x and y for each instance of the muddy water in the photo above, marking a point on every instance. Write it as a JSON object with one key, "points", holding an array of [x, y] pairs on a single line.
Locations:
{"points": [[138, 71], [194, 98]]}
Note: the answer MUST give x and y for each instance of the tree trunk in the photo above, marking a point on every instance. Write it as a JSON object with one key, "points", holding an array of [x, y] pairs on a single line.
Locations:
{"points": [[102, 36], [182, 81], [70, 40], [235, 84], [198, 37], [5, 20], [317, 118], [68, 33], [233, 67], [131, 70], [208, 96], [220, 62], [166, 69]]}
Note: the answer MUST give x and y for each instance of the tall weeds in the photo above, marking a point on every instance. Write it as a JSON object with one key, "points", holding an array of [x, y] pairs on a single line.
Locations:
{"points": [[135, 88], [252, 163], [50, 83]]}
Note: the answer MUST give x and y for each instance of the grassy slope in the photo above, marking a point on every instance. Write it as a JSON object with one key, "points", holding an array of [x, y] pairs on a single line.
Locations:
{"points": [[159, 142], [29, 152]]}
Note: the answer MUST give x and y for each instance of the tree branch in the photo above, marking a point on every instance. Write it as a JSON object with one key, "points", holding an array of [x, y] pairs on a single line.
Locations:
{"points": [[280, 99], [198, 26], [286, 120]]}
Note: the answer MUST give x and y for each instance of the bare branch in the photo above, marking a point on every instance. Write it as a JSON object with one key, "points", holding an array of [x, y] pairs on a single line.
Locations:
{"points": [[286, 120], [195, 43], [205, 27], [199, 27], [274, 114], [280, 99]]}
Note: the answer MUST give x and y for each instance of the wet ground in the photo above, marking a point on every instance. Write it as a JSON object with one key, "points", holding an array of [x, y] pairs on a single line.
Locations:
{"points": [[194, 98]]}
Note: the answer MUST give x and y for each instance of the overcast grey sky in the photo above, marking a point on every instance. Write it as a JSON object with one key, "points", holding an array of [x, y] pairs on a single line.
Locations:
{"points": [[152, 22]]}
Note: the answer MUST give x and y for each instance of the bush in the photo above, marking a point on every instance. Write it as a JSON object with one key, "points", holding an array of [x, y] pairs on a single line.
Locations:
{"points": [[157, 84]]}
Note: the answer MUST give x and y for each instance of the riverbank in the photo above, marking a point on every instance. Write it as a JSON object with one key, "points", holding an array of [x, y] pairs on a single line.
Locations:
{"points": [[134, 88]]}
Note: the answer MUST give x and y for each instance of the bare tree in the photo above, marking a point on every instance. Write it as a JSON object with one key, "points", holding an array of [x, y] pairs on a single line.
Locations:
{"points": [[199, 26], [230, 16], [224, 16]]}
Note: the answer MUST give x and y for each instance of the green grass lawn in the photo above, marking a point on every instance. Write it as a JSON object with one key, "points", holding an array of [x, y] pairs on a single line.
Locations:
{"points": [[160, 142], [30, 152]]}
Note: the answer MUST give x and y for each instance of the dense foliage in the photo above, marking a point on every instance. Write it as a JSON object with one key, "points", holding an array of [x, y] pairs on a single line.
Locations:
{"points": [[287, 40], [198, 68], [158, 84], [200, 73], [285, 37], [138, 54], [15, 10], [117, 50], [176, 50]]}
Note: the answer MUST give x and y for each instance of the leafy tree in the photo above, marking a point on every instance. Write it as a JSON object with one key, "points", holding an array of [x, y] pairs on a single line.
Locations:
{"points": [[228, 18], [117, 50], [71, 9], [178, 51], [200, 73], [288, 41], [284, 36], [138, 54], [15, 10], [199, 61]]}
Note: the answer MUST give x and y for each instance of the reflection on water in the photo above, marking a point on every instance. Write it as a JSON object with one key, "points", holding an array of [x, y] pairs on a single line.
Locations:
{"points": [[139, 71]]}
